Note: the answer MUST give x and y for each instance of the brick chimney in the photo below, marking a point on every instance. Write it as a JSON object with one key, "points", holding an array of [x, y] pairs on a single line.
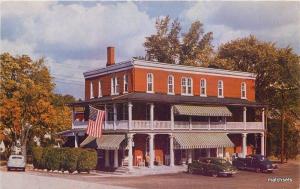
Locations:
{"points": [[110, 56]]}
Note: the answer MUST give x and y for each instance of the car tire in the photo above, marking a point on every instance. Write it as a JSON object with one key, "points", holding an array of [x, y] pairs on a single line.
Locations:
{"points": [[257, 170], [23, 169], [214, 174], [8, 168], [190, 170]]}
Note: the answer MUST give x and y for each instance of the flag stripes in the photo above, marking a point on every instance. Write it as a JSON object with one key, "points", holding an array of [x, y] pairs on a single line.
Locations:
{"points": [[95, 122]]}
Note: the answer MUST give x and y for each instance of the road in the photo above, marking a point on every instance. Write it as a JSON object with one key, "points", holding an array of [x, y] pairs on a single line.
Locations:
{"points": [[244, 180]]}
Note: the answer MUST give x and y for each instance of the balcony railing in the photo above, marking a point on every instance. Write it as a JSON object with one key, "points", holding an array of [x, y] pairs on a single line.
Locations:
{"points": [[178, 125]]}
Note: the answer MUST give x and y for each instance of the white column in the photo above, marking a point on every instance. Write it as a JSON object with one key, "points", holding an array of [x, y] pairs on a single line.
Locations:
{"points": [[106, 116], [73, 116], [262, 144], [130, 157], [263, 118], [244, 147], [75, 140], [151, 150], [220, 152], [116, 159], [245, 117], [106, 158], [172, 160], [208, 123], [115, 116], [152, 115], [172, 117], [189, 151], [190, 123], [208, 152], [225, 125], [129, 115]]}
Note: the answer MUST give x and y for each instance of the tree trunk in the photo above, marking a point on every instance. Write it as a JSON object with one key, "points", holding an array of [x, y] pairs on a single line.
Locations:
{"points": [[282, 138], [24, 150]]}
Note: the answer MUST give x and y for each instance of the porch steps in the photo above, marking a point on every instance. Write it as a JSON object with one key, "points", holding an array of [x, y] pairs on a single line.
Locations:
{"points": [[121, 170]]}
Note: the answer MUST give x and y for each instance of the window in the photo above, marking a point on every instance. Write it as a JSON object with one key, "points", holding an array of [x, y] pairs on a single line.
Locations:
{"points": [[243, 90], [220, 89], [125, 87], [203, 87], [150, 83], [114, 86], [99, 89], [170, 84], [186, 86], [91, 90]]}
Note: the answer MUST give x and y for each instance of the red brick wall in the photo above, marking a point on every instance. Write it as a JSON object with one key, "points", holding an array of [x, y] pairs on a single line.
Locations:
{"points": [[232, 86]]}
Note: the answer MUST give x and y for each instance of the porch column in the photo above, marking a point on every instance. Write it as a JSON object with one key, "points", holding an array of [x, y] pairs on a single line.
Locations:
{"points": [[73, 115], [171, 150], [115, 116], [208, 152], [151, 150], [106, 158], [245, 117], [172, 117], [129, 115], [262, 144], [208, 123], [263, 118], [152, 116], [130, 157], [75, 140], [106, 116], [244, 148], [189, 155], [190, 123], [116, 159]]}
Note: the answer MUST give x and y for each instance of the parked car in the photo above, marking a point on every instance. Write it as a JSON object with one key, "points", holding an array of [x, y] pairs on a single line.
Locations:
{"points": [[258, 163], [211, 166], [16, 162]]}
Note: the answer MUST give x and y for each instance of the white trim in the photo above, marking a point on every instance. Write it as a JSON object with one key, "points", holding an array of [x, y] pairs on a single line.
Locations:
{"points": [[173, 85], [186, 85], [124, 79], [99, 89], [114, 86], [243, 97], [205, 85], [152, 83], [91, 90], [222, 87]]}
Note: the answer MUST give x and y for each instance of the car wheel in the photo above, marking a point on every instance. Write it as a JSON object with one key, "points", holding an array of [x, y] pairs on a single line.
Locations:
{"points": [[214, 174], [8, 168], [190, 170], [257, 170], [23, 169]]}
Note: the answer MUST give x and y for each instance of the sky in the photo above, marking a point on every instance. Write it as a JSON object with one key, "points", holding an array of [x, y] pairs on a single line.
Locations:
{"points": [[73, 36]]}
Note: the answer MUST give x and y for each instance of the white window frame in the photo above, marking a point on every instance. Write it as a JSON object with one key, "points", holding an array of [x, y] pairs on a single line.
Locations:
{"points": [[243, 89], [125, 84], [150, 75], [203, 87], [185, 87], [114, 86], [91, 90], [99, 89], [170, 84], [220, 86]]}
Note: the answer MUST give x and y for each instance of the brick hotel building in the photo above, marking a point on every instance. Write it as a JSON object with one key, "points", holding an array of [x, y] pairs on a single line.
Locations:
{"points": [[168, 114]]}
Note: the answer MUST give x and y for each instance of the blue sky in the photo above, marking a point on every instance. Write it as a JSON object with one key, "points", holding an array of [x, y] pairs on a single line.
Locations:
{"points": [[73, 36]]}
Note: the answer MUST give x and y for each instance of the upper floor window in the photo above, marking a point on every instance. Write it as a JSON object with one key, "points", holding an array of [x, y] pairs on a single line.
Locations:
{"points": [[186, 86], [150, 83], [114, 86], [203, 87], [91, 90], [220, 89], [170, 84], [243, 90], [99, 89], [125, 87]]}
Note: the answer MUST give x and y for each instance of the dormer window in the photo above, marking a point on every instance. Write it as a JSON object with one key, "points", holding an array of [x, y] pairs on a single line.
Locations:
{"points": [[150, 83], [91, 90], [125, 87], [243, 90], [170, 84], [99, 89], [114, 86], [203, 87], [220, 89], [186, 86]]}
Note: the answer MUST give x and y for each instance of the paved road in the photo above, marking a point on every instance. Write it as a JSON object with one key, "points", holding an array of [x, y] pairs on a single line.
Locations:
{"points": [[243, 179]]}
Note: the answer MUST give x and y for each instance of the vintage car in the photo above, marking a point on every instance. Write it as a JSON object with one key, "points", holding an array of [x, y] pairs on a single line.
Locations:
{"points": [[211, 166], [16, 162], [258, 163]]}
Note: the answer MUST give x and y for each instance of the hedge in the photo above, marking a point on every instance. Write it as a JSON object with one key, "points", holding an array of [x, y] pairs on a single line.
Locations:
{"points": [[64, 159]]}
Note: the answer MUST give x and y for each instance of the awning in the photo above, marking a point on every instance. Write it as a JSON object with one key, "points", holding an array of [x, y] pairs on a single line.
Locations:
{"points": [[201, 140], [202, 110], [105, 142]]}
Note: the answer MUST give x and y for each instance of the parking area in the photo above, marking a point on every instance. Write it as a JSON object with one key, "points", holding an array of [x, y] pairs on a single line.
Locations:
{"points": [[286, 177]]}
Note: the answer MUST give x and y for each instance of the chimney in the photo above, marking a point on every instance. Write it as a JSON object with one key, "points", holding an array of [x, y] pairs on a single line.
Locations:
{"points": [[110, 56]]}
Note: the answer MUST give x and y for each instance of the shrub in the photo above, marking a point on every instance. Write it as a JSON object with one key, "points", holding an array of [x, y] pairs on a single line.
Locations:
{"points": [[87, 160], [53, 158], [70, 159], [37, 153]]}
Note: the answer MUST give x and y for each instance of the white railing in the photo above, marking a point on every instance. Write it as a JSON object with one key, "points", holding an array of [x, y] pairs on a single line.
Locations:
{"points": [[200, 125], [181, 125], [162, 125], [109, 125], [141, 124], [122, 124], [235, 125], [254, 125], [80, 124], [217, 125]]}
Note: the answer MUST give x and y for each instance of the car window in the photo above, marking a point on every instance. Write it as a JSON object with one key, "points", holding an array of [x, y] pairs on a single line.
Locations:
{"points": [[15, 157]]}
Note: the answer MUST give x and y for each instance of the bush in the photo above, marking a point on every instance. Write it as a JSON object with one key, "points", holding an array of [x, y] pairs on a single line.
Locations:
{"points": [[37, 153], [87, 160], [53, 158], [71, 159]]}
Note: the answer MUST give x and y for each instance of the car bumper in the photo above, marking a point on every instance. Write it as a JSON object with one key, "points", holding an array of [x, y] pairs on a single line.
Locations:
{"points": [[227, 173]]}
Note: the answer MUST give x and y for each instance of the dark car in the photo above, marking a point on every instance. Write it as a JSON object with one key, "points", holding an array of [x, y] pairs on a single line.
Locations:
{"points": [[211, 166], [258, 163]]}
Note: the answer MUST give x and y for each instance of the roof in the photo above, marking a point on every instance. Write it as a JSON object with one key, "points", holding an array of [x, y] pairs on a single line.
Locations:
{"points": [[171, 99], [202, 110], [106, 142], [201, 140]]}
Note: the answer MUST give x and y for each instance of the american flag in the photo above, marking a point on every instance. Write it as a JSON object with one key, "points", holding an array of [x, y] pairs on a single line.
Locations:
{"points": [[95, 122]]}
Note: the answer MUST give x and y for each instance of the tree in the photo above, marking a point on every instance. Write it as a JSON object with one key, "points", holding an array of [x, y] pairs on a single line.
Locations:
{"points": [[26, 106], [277, 80], [165, 46]]}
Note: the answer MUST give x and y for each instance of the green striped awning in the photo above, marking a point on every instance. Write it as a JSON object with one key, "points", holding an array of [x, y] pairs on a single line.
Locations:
{"points": [[201, 140], [105, 142], [202, 110]]}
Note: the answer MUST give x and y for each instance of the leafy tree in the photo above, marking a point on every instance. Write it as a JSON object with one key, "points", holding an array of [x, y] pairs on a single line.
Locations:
{"points": [[165, 46], [277, 81], [26, 100]]}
